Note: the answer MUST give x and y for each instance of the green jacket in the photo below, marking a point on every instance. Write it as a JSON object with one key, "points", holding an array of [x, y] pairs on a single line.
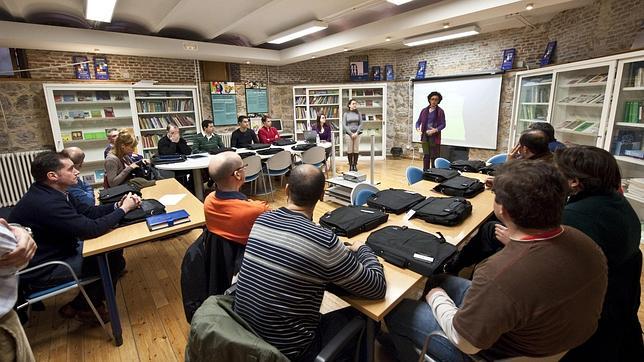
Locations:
{"points": [[202, 144], [217, 333]]}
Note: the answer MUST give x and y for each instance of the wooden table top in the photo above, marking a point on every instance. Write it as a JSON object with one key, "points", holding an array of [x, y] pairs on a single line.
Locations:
{"points": [[136, 233]]}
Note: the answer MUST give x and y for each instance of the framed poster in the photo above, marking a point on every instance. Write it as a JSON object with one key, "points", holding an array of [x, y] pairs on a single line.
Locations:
{"points": [[100, 68], [375, 71], [547, 55], [224, 103], [420, 72], [256, 98], [389, 72], [508, 59], [358, 68], [81, 67]]}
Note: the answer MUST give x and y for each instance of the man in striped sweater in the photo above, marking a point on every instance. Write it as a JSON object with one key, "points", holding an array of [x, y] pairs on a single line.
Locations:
{"points": [[287, 268]]}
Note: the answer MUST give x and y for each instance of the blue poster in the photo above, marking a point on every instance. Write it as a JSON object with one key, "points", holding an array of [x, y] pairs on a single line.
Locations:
{"points": [[420, 73], [224, 109], [508, 59], [389, 72], [81, 67], [100, 68]]}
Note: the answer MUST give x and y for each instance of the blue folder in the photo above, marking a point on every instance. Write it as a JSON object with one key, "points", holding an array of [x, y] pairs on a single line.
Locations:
{"points": [[169, 219]]}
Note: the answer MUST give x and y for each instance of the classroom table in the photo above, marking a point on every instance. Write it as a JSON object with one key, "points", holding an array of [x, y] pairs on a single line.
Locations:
{"points": [[401, 281], [199, 161], [122, 237]]}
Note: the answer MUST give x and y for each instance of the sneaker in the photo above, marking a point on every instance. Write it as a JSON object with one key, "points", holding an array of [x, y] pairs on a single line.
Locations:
{"points": [[67, 311], [87, 316]]}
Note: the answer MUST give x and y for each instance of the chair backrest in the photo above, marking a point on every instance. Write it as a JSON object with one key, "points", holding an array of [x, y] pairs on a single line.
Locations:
{"points": [[414, 174], [217, 333], [254, 165], [279, 161], [358, 197], [440, 162], [314, 156], [497, 159]]}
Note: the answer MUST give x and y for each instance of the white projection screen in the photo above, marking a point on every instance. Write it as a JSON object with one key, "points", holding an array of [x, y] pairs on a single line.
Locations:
{"points": [[471, 108]]}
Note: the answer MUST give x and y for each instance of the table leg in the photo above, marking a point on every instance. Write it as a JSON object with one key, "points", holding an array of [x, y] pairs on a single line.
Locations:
{"points": [[196, 178], [110, 298], [370, 336]]}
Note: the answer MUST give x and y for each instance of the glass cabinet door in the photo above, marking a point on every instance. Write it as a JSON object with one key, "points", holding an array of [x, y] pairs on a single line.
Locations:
{"points": [[534, 99], [578, 109], [625, 137]]}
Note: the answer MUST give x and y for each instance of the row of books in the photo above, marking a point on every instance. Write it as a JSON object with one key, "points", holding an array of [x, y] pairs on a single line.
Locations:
{"points": [[323, 92], [635, 189], [323, 99], [166, 105], [163, 121], [371, 117], [367, 92], [80, 135], [87, 96], [589, 79], [150, 140], [300, 100], [106, 112], [580, 125], [583, 99], [163, 94], [535, 95], [329, 112], [533, 113], [636, 75], [369, 103], [536, 81], [633, 111]]}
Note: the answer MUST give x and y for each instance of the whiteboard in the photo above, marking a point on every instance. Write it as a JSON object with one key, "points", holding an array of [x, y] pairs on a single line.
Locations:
{"points": [[471, 108]]}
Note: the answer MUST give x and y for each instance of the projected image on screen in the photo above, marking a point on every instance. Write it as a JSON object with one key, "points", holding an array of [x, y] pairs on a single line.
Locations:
{"points": [[471, 108]]}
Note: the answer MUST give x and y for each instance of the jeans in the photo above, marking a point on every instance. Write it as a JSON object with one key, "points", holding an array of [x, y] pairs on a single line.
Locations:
{"points": [[330, 325], [412, 320]]}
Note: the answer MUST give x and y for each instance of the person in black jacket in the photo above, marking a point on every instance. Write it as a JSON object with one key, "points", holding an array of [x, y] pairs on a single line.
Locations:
{"points": [[243, 136], [172, 143], [60, 223]]}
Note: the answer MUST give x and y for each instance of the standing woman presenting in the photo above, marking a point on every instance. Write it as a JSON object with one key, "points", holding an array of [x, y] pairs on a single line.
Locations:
{"points": [[430, 123], [352, 122]]}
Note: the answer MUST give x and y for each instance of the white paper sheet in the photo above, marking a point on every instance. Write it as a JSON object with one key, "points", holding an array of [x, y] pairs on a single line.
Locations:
{"points": [[171, 199]]}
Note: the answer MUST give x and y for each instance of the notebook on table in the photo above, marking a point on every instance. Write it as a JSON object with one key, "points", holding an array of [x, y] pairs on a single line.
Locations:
{"points": [[166, 220]]}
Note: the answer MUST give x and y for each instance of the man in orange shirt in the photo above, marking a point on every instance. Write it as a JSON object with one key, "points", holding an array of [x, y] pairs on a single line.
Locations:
{"points": [[229, 213]]}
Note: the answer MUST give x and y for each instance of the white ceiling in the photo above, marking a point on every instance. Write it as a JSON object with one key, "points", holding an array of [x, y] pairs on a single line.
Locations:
{"points": [[236, 30]]}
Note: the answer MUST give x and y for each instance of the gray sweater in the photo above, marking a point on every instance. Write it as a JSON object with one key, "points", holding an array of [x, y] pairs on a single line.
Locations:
{"points": [[352, 122]]}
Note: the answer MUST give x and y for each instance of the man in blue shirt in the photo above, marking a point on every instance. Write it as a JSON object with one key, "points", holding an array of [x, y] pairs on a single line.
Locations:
{"points": [[82, 191], [547, 128]]}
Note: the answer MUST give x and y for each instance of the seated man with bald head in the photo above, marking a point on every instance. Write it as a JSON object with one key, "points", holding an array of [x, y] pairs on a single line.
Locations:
{"points": [[229, 213], [82, 191]]}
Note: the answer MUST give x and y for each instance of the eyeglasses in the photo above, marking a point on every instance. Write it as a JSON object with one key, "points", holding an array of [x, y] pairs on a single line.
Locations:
{"points": [[239, 169]]}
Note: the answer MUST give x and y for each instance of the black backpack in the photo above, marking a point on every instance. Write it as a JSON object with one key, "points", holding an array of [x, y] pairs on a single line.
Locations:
{"points": [[114, 194], [269, 151], [246, 154], [148, 207], [220, 150], [414, 249], [258, 146], [164, 159], [467, 165], [284, 142], [303, 146], [460, 186], [394, 201], [439, 174], [491, 169], [448, 211], [351, 220]]}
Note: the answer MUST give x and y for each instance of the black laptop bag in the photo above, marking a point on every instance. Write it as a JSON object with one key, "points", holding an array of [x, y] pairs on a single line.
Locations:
{"points": [[165, 159], [148, 207], [114, 194], [284, 142], [414, 249], [439, 174], [259, 146], [491, 169], [467, 165], [269, 151], [220, 150], [351, 220], [395, 201], [460, 186], [448, 211], [303, 146]]}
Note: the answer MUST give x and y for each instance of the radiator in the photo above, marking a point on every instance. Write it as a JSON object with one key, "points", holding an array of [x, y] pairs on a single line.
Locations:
{"points": [[15, 176], [225, 138]]}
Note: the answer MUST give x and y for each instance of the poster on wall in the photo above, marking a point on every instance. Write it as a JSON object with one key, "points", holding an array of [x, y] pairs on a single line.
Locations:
{"points": [[256, 97], [359, 68], [100, 68], [81, 67], [420, 72], [547, 55], [375, 71], [224, 103], [389, 72], [508, 59]]}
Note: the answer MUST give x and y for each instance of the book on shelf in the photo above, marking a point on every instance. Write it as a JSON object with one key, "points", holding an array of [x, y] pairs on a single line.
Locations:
{"points": [[69, 97], [598, 78], [77, 135], [84, 96], [109, 112], [89, 179], [587, 127], [66, 137], [118, 97], [156, 222], [96, 113], [58, 98], [103, 96], [76, 114], [633, 111]]}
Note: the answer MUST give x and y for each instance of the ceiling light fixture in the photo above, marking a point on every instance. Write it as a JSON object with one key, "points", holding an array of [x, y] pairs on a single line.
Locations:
{"points": [[346, 49], [297, 32], [100, 10], [248, 62], [442, 35], [313, 57], [388, 39], [445, 25], [399, 2], [529, 6], [190, 47]]}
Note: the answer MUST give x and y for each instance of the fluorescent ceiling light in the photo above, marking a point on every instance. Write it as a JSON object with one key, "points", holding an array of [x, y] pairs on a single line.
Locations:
{"points": [[399, 2], [297, 32], [441, 36], [100, 10]]}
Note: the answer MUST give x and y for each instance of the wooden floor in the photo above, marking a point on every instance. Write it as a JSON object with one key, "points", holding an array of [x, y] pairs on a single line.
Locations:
{"points": [[149, 299]]}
